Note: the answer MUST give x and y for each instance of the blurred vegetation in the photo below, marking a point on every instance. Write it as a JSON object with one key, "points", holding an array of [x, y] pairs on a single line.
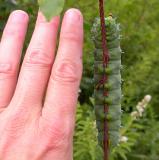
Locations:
{"points": [[140, 31]]}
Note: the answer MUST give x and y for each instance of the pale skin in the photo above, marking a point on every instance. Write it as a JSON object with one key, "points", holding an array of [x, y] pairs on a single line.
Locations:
{"points": [[38, 105]]}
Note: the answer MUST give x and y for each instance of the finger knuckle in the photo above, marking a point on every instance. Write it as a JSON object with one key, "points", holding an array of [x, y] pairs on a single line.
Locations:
{"points": [[13, 32], [57, 133], [15, 126], [6, 71], [38, 57], [66, 71], [71, 37]]}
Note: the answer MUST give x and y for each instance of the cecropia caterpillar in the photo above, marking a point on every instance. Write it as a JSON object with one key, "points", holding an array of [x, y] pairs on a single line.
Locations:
{"points": [[113, 83]]}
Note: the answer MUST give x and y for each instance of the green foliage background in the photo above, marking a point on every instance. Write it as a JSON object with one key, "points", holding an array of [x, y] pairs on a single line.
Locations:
{"points": [[140, 31]]}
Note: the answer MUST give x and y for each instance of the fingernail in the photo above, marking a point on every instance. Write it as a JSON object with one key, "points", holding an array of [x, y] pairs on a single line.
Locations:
{"points": [[18, 16], [73, 16]]}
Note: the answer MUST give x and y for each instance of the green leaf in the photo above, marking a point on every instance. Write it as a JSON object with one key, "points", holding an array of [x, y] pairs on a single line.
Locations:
{"points": [[51, 8]]}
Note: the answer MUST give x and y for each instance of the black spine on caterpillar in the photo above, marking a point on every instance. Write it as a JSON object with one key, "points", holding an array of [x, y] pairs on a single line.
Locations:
{"points": [[113, 84]]}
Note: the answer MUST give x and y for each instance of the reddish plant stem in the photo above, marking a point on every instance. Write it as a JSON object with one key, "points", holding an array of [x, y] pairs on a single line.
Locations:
{"points": [[105, 78]]}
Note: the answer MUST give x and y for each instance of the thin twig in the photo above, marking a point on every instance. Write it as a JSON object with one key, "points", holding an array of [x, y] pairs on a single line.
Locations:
{"points": [[105, 63]]}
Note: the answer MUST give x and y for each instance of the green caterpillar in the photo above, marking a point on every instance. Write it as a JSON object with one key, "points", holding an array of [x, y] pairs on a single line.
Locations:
{"points": [[113, 84]]}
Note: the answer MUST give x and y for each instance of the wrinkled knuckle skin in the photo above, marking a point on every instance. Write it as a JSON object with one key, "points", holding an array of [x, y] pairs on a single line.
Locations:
{"points": [[38, 57], [58, 135], [71, 36], [6, 71], [14, 127], [13, 31], [16, 121], [66, 71]]}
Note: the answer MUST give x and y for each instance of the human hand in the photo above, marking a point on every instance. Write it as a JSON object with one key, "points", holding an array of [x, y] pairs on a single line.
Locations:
{"points": [[37, 109]]}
